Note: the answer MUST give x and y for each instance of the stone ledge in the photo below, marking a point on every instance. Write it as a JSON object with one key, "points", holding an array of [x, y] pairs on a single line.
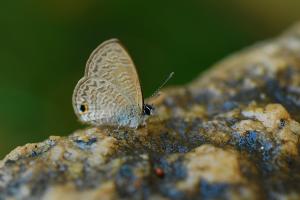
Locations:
{"points": [[233, 133]]}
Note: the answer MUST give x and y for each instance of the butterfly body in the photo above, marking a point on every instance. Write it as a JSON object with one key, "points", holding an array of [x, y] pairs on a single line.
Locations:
{"points": [[110, 94]]}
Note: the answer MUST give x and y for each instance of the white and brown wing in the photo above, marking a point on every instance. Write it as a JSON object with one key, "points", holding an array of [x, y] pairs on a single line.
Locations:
{"points": [[110, 91], [110, 61]]}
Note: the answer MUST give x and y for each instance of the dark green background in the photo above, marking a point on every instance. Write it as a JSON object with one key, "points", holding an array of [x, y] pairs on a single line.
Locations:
{"points": [[44, 46]]}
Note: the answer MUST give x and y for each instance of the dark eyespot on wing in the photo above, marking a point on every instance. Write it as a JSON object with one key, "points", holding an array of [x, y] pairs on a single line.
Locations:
{"points": [[83, 108]]}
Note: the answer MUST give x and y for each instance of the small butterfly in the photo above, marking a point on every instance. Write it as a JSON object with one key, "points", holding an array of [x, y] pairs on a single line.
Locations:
{"points": [[109, 94]]}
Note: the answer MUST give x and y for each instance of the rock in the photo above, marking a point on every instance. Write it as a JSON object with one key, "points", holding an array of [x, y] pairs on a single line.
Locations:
{"points": [[233, 133]]}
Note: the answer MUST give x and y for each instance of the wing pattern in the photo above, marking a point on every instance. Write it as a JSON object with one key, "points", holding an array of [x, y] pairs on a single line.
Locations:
{"points": [[110, 88]]}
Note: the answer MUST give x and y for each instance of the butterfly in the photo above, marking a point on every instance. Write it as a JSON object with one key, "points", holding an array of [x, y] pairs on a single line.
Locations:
{"points": [[109, 93]]}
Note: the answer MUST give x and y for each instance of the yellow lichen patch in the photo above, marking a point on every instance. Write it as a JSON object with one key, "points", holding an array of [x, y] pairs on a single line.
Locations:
{"points": [[142, 171], [289, 148], [289, 136], [248, 125], [105, 191], [285, 134], [196, 111], [249, 84], [84, 138], [54, 138], [91, 145], [72, 154], [212, 164], [56, 153], [27, 150], [277, 121], [219, 137], [270, 116], [234, 113], [85, 134], [75, 170], [160, 114], [295, 127], [101, 152]]}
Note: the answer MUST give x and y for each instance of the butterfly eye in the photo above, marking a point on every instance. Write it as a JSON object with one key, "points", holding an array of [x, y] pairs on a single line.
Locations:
{"points": [[83, 108]]}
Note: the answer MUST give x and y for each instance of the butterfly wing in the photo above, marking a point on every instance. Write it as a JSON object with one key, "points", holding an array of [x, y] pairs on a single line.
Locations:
{"points": [[110, 88], [111, 62]]}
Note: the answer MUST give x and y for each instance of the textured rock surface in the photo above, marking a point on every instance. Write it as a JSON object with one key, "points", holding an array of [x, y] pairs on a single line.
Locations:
{"points": [[230, 134]]}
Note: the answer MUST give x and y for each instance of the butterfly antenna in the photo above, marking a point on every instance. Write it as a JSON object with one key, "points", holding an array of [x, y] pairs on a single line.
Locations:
{"points": [[163, 84]]}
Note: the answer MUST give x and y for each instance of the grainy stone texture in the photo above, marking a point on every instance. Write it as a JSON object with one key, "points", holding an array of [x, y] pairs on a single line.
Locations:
{"points": [[230, 134]]}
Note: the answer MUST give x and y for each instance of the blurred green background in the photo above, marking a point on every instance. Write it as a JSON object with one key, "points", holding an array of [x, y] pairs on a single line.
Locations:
{"points": [[44, 46]]}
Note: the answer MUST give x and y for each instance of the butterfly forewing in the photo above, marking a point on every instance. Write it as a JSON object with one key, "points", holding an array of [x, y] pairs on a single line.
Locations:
{"points": [[110, 61]]}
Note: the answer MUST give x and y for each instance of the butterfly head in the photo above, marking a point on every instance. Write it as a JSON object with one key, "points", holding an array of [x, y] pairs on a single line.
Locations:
{"points": [[148, 109]]}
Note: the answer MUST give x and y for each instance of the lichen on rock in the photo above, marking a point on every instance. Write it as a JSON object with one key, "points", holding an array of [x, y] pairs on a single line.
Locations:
{"points": [[233, 133]]}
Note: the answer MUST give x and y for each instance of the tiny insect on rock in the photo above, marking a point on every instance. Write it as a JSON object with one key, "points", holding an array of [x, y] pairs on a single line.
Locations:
{"points": [[109, 94]]}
